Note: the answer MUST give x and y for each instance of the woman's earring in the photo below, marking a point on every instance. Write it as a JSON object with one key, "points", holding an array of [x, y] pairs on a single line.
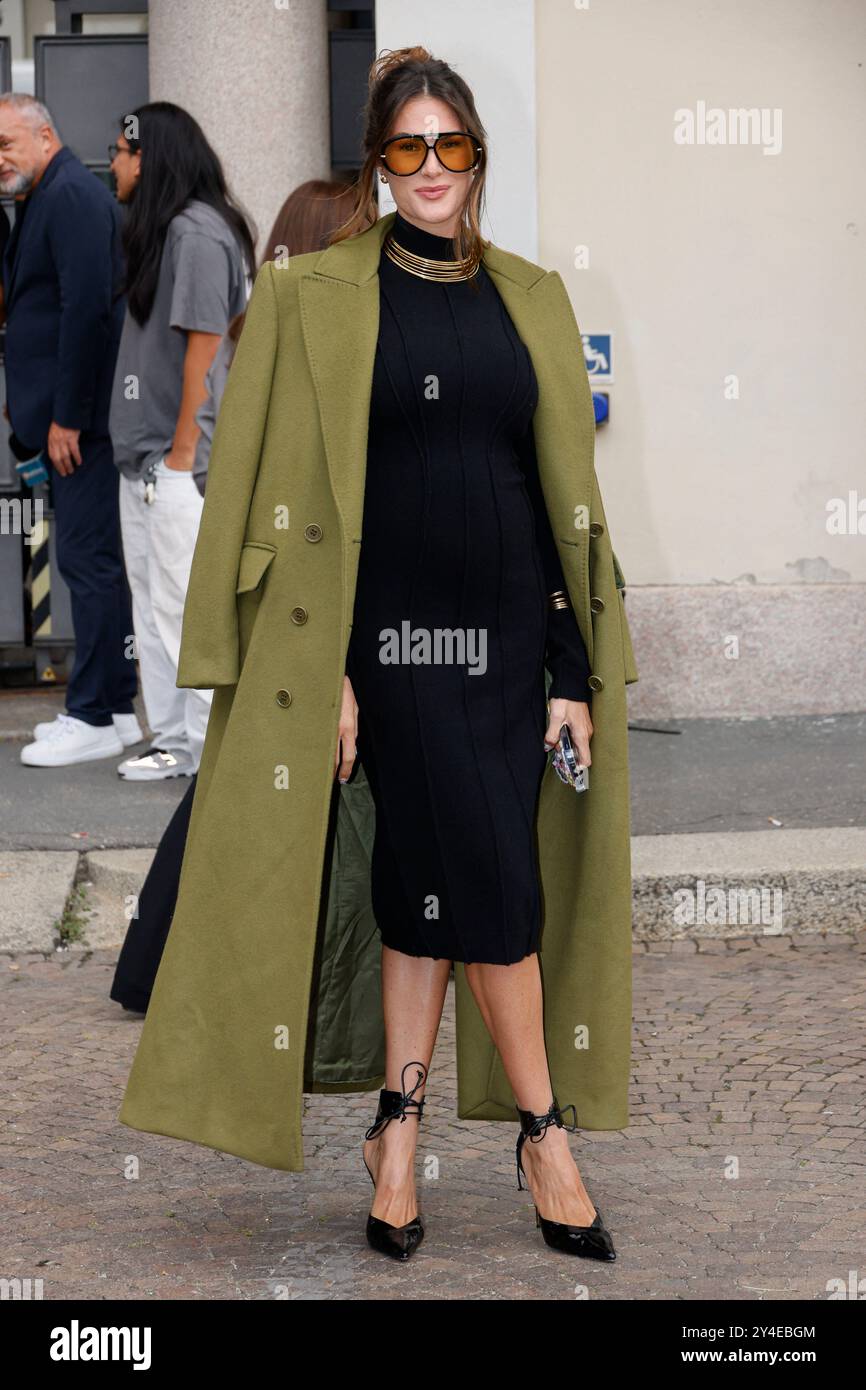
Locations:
{"points": [[382, 177]]}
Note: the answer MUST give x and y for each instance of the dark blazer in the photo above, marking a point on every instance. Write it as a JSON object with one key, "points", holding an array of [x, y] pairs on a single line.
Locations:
{"points": [[62, 267]]}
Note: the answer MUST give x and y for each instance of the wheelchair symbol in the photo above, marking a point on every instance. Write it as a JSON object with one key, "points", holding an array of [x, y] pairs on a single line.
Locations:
{"points": [[597, 362]]}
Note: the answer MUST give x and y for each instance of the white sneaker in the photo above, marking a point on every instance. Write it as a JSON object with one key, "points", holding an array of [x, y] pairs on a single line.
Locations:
{"points": [[45, 726], [157, 764], [126, 725], [70, 740]]}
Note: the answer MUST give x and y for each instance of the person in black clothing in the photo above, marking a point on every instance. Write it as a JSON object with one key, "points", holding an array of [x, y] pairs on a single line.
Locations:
{"points": [[456, 544], [62, 270], [456, 540], [460, 604]]}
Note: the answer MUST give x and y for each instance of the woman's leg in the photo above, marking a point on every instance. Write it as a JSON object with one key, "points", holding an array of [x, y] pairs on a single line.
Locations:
{"points": [[510, 1000], [413, 992]]}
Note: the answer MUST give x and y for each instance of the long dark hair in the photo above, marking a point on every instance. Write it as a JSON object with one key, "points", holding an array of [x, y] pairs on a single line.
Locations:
{"points": [[177, 165], [395, 77]]}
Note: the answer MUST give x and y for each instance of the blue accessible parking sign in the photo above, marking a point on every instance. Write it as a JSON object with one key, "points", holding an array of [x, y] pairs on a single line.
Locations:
{"points": [[598, 355]]}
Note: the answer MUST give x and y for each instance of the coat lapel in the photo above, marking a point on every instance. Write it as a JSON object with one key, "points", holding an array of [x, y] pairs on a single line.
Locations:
{"points": [[12, 255], [340, 320]]}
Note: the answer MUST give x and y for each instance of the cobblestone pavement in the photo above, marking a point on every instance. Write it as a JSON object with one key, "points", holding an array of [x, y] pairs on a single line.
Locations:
{"points": [[748, 1053]]}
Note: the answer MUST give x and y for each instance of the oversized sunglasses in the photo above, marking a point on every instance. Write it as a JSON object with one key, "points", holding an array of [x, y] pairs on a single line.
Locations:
{"points": [[458, 151]]}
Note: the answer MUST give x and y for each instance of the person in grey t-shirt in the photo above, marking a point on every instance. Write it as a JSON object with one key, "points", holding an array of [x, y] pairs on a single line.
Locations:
{"points": [[190, 260], [200, 287]]}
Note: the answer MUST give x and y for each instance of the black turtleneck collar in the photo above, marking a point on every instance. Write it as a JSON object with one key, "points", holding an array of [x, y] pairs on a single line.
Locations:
{"points": [[415, 239]]}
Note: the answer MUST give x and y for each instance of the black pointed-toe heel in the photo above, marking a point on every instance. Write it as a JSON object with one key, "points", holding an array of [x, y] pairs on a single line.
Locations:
{"points": [[400, 1242], [594, 1241]]}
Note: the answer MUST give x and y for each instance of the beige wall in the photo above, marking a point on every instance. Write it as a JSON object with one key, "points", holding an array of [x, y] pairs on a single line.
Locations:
{"points": [[707, 261]]}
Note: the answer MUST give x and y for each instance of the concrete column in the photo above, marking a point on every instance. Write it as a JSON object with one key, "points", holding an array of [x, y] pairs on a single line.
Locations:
{"points": [[255, 77]]}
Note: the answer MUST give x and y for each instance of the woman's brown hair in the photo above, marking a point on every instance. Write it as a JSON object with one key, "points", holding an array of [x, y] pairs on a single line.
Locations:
{"points": [[395, 77], [304, 223]]}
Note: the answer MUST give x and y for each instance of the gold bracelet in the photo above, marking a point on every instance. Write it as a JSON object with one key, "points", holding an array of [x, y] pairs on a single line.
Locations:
{"points": [[558, 599]]}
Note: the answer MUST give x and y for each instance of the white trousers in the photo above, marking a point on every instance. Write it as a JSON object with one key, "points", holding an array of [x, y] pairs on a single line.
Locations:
{"points": [[158, 542]]}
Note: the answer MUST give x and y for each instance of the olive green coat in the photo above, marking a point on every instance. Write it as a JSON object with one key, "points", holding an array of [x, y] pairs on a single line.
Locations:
{"points": [[269, 986]]}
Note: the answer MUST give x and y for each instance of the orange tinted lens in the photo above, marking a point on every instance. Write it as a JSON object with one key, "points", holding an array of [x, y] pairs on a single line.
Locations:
{"points": [[405, 156], [457, 152]]}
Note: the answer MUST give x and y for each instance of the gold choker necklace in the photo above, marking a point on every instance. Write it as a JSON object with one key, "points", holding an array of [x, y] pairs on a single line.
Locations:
{"points": [[428, 268]]}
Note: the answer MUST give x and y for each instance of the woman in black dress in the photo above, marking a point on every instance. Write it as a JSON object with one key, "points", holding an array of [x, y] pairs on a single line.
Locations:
{"points": [[455, 539], [460, 604]]}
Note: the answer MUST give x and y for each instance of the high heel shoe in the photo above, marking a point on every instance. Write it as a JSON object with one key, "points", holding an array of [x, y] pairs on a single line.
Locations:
{"points": [[400, 1242], [593, 1241]]}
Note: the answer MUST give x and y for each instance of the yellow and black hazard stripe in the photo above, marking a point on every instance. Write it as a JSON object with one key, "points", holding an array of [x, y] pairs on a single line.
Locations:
{"points": [[40, 583]]}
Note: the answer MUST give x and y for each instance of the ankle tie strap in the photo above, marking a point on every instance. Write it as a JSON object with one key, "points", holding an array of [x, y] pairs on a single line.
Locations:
{"points": [[539, 1123], [534, 1127], [394, 1103]]}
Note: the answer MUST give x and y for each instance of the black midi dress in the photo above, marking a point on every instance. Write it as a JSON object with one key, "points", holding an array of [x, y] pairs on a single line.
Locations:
{"points": [[451, 627]]}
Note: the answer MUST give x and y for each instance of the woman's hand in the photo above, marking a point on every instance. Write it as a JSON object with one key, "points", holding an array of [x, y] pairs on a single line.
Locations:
{"points": [[574, 713], [344, 759]]}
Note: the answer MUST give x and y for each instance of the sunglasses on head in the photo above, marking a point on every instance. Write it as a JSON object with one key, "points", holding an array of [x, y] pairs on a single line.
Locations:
{"points": [[458, 151]]}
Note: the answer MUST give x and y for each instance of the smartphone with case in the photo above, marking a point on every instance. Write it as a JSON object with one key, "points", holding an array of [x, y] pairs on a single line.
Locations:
{"points": [[566, 765]]}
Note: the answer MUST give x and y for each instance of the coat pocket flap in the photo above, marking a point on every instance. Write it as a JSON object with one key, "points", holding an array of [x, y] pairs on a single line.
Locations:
{"points": [[255, 558]]}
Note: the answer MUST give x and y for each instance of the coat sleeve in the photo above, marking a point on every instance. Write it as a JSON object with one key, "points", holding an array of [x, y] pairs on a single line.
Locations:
{"points": [[566, 657], [209, 638], [80, 234]]}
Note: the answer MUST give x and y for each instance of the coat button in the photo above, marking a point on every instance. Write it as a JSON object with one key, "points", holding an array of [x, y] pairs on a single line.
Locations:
{"points": [[284, 698], [313, 532], [595, 683], [596, 604], [596, 529], [299, 615]]}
